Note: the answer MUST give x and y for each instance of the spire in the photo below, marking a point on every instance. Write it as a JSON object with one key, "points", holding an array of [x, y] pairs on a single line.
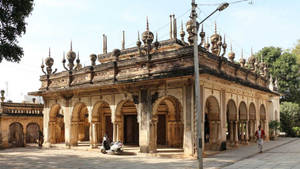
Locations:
{"points": [[215, 27], [71, 46], [139, 36], [251, 51], [123, 41], [242, 54], [147, 24], [174, 27], [104, 44], [182, 33], [49, 52], [171, 29]]}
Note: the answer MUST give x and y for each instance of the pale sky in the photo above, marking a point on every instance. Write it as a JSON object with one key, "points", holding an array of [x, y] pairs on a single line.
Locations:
{"points": [[54, 23]]}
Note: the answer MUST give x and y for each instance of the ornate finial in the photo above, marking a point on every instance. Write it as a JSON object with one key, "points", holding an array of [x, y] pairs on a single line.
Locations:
{"points": [[156, 43], [171, 29], [104, 44], [93, 59], [147, 24], [49, 52], [71, 48], [224, 46], [251, 51], [78, 65], [202, 35], [2, 96], [231, 54], [207, 44], [182, 33], [138, 42], [174, 27], [242, 60], [123, 41]]}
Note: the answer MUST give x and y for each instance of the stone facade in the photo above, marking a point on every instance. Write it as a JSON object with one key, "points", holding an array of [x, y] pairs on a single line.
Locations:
{"points": [[145, 96], [19, 123]]}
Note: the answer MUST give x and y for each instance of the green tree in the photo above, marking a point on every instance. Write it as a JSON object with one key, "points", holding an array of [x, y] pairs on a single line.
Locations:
{"points": [[283, 67], [13, 25], [289, 116], [286, 70], [296, 51]]}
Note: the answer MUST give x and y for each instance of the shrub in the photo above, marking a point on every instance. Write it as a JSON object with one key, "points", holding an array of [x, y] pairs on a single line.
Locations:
{"points": [[289, 116], [296, 131]]}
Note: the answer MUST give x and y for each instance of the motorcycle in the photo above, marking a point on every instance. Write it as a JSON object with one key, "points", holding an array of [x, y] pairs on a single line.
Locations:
{"points": [[111, 148]]}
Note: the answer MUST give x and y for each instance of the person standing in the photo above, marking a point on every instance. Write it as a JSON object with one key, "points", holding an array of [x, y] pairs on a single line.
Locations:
{"points": [[260, 136]]}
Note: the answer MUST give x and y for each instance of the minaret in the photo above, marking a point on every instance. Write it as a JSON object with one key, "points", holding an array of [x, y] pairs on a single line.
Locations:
{"points": [[123, 41], [171, 32], [104, 44], [174, 27]]}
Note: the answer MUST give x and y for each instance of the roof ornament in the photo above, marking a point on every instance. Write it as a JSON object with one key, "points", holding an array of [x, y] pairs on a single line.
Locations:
{"points": [[182, 33], [104, 44], [231, 54], [216, 42], [171, 29], [2, 96], [78, 64], [174, 27], [224, 46], [207, 44], [202, 35], [71, 56], [49, 61], [242, 60], [123, 40]]}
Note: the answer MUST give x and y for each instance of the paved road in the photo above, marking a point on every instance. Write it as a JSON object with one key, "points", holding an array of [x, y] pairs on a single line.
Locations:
{"points": [[286, 155]]}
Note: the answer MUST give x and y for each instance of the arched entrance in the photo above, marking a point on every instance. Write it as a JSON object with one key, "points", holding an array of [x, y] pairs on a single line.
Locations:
{"points": [[262, 115], [168, 118], [56, 125], [243, 119], [16, 135], [32, 133], [212, 125], [101, 118], [252, 121], [80, 125], [231, 122], [128, 127]]}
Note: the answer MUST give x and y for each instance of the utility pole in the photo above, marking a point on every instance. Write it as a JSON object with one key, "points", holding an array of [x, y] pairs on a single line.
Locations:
{"points": [[197, 88]]}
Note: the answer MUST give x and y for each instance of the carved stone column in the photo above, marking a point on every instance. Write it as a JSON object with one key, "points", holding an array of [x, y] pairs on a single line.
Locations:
{"points": [[94, 135], [74, 134], [153, 136], [231, 134], [236, 138], [246, 133], [115, 131]]}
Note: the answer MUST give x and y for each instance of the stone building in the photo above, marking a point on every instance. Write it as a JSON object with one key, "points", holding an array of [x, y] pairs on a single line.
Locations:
{"points": [[19, 123], [144, 95]]}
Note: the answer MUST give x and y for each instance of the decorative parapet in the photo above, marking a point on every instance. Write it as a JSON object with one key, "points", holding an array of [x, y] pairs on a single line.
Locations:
{"points": [[21, 109]]}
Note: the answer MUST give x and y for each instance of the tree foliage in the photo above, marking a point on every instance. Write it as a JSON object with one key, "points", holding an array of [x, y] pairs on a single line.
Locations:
{"points": [[283, 67], [289, 117], [296, 51], [13, 25]]}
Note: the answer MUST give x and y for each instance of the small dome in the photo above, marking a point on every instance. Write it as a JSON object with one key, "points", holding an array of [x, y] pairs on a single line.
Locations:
{"points": [[231, 56], [147, 36], [49, 61]]}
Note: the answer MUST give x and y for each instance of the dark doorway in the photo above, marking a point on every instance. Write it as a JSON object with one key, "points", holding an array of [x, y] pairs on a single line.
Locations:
{"points": [[32, 133], [206, 129], [161, 130], [131, 130], [16, 135], [108, 127]]}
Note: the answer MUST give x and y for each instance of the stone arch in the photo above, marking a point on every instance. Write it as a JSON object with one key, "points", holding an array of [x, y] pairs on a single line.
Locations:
{"points": [[212, 126], [231, 114], [243, 111], [127, 123], [263, 118], [16, 135], [167, 121], [56, 125], [252, 111], [262, 112], [80, 128], [32, 132], [102, 118]]}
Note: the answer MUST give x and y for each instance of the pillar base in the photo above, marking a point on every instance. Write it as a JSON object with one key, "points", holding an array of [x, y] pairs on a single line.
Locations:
{"points": [[144, 149]]}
